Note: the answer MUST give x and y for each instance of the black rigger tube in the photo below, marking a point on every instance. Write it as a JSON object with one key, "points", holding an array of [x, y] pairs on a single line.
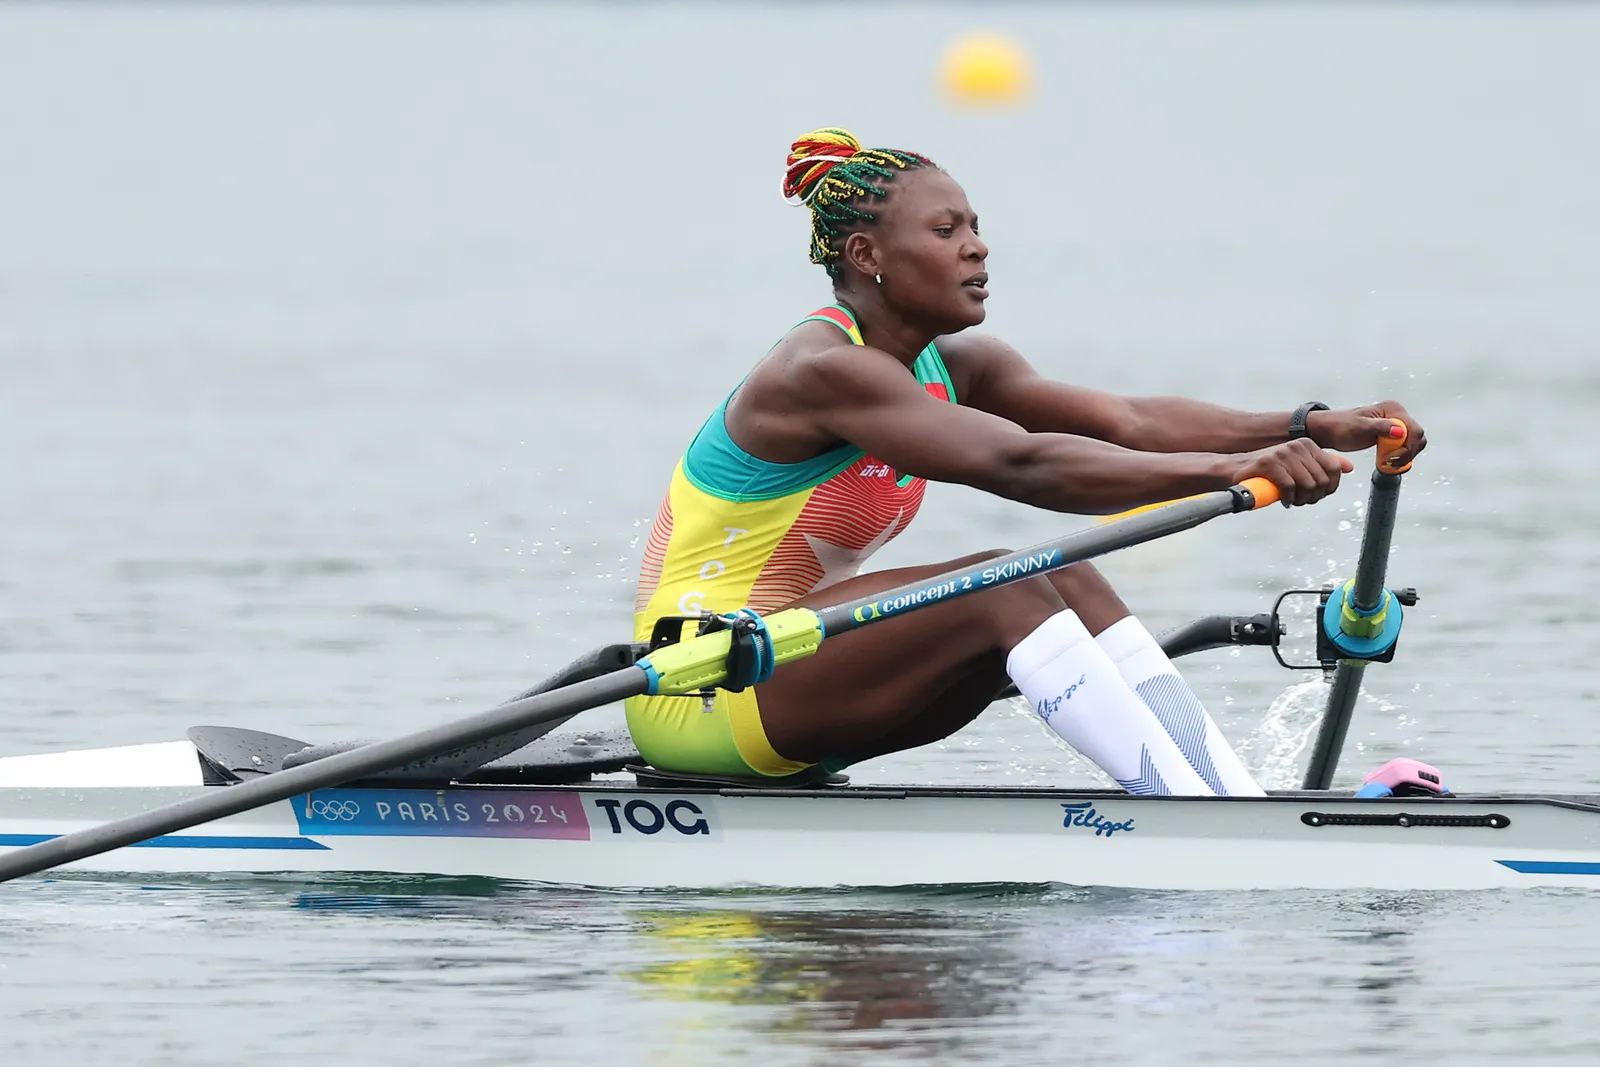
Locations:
{"points": [[1371, 569]]}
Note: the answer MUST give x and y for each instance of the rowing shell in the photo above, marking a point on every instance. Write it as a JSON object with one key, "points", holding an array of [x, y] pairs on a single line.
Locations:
{"points": [[610, 831]]}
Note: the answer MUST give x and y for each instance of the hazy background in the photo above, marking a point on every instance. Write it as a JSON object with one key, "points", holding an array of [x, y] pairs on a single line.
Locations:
{"points": [[345, 351]]}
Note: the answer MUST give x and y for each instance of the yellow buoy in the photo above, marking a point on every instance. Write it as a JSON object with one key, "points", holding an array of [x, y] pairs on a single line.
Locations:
{"points": [[986, 70]]}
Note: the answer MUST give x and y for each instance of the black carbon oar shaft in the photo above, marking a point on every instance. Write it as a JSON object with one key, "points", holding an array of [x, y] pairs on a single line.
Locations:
{"points": [[220, 802], [1041, 559], [1372, 569]]}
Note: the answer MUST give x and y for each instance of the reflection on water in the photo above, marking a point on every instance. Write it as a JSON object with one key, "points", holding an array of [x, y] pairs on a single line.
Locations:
{"points": [[1042, 975], [855, 972], [923, 977]]}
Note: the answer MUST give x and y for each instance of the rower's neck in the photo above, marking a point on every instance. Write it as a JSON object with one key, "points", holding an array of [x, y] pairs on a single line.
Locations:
{"points": [[884, 329]]}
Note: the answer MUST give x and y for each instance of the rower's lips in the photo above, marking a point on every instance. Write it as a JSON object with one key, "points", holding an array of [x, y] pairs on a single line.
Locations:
{"points": [[980, 291]]}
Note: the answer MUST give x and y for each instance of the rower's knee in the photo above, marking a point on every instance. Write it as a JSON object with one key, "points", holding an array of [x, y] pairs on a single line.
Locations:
{"points": [[1086, 591], [1039, 594], [1014, 609], [1020, 607]]}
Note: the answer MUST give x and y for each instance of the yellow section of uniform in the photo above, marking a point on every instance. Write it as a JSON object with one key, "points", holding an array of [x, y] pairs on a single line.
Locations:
{"points": [[737, 531], [681, 732], [716, 550]]}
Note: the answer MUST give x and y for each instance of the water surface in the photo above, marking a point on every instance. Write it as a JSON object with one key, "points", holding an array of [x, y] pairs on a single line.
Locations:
{"points": [[344, 353]]}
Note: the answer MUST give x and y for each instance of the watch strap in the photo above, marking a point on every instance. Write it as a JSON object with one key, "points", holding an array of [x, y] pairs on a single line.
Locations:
{"points": [[1297, 421]]}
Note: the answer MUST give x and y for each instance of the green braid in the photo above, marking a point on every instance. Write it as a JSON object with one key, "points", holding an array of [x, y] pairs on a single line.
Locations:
{"points": [[839, 193]]}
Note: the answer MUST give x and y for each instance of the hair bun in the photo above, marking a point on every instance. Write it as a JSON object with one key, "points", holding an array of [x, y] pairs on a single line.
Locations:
{"points": [[811, 157]]}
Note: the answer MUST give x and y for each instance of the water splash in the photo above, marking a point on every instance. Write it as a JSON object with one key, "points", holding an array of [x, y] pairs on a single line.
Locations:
{"points": [[1273, 750]]}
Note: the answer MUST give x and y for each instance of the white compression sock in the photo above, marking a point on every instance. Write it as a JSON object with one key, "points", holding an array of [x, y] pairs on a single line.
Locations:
{"points": [[1075, 688], [1149, 672]]}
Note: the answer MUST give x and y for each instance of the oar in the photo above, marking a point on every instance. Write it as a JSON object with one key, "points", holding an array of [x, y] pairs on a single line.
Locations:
{"points": [[686, 667], [1374, 607], [1140, 510]]}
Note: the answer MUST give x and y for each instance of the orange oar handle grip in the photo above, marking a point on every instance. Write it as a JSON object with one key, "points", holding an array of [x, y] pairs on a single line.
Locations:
{"points": [[1264, 491], [1388, 446]]}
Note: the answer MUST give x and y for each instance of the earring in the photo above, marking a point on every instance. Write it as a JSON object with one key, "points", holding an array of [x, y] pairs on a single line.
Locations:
{"points": [[878, 278]]}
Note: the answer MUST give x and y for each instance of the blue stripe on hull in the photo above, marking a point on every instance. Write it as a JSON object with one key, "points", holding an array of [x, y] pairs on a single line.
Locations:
{"points": [[292, 844], [1550, 867]]}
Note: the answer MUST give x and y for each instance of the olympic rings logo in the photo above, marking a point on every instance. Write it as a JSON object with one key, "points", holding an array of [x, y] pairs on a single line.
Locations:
{"points": [[335, 810]]}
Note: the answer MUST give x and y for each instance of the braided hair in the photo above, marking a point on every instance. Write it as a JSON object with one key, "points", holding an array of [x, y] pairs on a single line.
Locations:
{"points": [[830, 173]]}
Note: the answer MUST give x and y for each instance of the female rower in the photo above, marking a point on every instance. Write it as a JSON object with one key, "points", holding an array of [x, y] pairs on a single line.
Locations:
{"points": [[821, 455]]}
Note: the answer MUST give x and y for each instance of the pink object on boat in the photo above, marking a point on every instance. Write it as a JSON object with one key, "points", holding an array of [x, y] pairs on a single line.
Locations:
{"points": [[1399, 774]]}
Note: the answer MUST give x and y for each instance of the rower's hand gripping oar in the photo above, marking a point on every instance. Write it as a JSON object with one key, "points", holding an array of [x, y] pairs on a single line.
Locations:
{"points": [[689, 666]]}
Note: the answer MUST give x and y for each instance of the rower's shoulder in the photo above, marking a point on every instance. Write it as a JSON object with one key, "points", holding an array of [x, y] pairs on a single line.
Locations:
{"points": [[818, 354], [810, 339], [969, 355], [972, 347]]}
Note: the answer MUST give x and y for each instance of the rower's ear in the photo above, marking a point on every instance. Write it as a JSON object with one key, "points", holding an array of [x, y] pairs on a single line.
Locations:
{"points": [[860, 254]]}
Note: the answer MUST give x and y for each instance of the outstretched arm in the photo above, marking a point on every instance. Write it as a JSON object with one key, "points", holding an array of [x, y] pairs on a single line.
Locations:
{"points": [[1005, 384], [865, 397]]}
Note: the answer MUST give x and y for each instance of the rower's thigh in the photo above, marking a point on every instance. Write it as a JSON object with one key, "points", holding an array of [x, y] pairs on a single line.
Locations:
{"points": [[865, 683]]}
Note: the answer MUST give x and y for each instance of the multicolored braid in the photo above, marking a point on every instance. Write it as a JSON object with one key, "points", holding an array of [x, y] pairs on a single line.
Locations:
{"points": [[830, 173]]}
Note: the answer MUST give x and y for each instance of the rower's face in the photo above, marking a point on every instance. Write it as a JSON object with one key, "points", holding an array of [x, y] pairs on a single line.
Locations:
{"points": [[929, 252]]}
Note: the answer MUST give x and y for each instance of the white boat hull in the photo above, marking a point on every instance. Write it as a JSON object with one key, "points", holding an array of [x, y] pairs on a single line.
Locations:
{"points": [[615, 834]]}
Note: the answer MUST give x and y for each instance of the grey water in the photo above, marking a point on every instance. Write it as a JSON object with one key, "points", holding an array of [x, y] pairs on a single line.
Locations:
{"points": [[345, 351]]}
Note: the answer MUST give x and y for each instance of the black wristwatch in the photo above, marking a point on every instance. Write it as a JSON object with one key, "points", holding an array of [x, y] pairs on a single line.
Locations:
{"points": [[1297, 421]]}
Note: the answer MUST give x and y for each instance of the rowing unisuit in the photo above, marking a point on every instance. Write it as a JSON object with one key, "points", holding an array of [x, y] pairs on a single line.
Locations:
{"points": [[737, 531]]}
